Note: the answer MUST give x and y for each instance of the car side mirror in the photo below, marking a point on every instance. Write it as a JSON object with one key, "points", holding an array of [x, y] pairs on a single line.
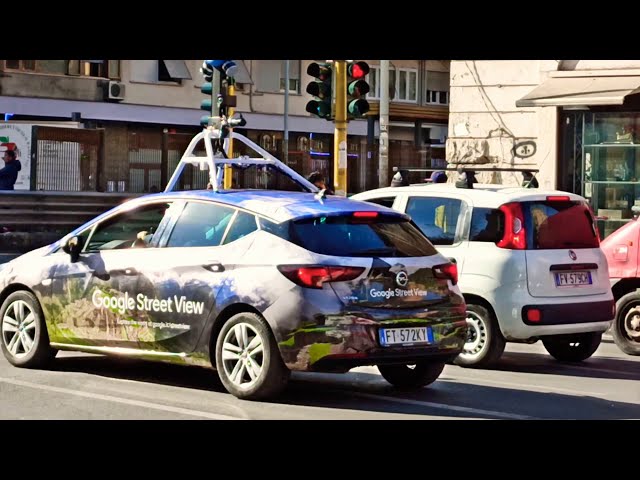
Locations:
{"points": [[73, 247]]}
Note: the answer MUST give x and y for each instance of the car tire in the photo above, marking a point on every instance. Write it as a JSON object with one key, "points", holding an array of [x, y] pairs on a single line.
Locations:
{"points": [[25, 341], [248, 359], [485, 343], [410, 376], [626, 326], [574, 347]]}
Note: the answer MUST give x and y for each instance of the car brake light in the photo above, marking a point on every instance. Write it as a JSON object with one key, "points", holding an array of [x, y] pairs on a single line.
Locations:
{"points": [[314, 276], [365, 214], [558, 198], [534, 315], [515, 235], [448, 271]]}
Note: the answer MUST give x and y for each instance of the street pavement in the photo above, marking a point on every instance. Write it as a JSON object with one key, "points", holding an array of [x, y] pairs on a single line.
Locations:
{"points": [[527, 384]]}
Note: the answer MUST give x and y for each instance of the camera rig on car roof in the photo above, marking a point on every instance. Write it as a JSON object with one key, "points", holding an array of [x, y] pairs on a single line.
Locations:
{"points": [[467, 173], [216, 142]]}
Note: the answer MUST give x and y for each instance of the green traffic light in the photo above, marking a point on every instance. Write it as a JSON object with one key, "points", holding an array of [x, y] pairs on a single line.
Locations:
{"points": [[207, 88], [204, 121]]}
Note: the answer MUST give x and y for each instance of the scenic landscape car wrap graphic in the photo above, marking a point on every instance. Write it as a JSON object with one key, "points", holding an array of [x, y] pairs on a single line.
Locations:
{"points": [[162, 303]]}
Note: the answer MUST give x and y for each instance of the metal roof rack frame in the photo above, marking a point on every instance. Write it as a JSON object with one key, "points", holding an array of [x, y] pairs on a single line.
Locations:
{"points": [[216, 158], [469, 171]]}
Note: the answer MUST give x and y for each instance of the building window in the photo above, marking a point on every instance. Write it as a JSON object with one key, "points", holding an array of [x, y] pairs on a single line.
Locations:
{"points": [[25, 65], [113, 69], [86, 68], [271, 76], [173, 71], [403, 84], [437, 88]]}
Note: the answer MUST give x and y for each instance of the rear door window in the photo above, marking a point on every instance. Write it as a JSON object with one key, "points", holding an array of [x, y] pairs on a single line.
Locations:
{"points": [[436, 217], [201, 224], [559, 224], [347, 236]]}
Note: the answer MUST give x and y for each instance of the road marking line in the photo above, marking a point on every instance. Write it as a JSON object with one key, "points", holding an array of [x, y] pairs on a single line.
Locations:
{"points": [[444, 406], [126, 401]]}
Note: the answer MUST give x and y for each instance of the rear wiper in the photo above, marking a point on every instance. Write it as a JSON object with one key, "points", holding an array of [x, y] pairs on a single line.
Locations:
{"points": [[384, 251]]}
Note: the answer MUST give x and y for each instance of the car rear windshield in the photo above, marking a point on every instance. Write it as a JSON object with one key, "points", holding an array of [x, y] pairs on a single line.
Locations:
{"points": [[559, 224], [349, 236]]}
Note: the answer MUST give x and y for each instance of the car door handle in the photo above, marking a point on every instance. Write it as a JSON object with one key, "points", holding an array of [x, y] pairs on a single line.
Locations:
{"points": [[214, 267]]}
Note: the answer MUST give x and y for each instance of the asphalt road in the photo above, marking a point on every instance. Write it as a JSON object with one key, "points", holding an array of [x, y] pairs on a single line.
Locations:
{"points": [[527, 384]]}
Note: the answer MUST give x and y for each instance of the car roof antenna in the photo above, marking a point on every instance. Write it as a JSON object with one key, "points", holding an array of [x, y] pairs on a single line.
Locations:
{"points": [[321, 195]]}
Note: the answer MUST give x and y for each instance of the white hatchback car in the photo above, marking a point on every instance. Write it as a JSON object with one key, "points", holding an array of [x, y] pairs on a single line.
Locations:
{"points": [[529, 262]]}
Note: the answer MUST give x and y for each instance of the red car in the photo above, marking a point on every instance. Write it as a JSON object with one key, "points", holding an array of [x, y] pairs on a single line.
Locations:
{"points": [[622, 249]]}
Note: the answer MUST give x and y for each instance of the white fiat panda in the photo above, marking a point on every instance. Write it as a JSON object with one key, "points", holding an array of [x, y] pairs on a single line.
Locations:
{"points": [[529, 262]]}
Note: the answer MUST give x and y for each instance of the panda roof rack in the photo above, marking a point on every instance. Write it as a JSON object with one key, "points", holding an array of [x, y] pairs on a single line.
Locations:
{"points": [[467, 173]]}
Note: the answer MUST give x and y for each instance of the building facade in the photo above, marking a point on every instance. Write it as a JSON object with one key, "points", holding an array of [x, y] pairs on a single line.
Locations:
{"points": [[122, 125], [577, 121]]}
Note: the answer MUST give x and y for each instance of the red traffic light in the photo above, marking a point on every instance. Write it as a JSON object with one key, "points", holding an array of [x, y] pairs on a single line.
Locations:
{"points": [[358, 70]]}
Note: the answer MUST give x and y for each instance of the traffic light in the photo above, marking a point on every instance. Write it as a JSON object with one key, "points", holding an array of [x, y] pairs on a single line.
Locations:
{"points": [[207, 89], [357, 88], [320, 89]]}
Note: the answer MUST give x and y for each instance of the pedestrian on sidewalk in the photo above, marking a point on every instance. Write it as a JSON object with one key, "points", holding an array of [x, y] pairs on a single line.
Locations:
{"points": [[9, 174]]}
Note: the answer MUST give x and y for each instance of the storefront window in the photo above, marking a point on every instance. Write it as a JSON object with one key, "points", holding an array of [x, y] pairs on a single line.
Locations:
{"points": [[611, 167]]}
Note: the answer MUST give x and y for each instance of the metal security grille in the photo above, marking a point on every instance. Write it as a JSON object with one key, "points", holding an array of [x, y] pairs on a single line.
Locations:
{"points": [[145, 163], [67, 159]]}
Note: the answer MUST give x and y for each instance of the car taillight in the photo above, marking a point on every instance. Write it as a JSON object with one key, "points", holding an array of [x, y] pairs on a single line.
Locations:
{"points": [[515, 235], [594, 223], [313, 276], [448, 271]]}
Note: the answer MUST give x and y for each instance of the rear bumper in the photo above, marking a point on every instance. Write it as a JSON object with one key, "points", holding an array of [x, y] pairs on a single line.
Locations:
{"points": [[347, 341], [560, 315], [571, 313]]}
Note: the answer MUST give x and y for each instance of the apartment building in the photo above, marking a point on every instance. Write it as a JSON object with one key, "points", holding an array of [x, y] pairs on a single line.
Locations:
{"points": [[122, 125], [577, 121]]}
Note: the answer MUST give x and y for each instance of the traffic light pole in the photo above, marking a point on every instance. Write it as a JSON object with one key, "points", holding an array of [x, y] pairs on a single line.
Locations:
{"points": [[228, 171], [340, 134]]}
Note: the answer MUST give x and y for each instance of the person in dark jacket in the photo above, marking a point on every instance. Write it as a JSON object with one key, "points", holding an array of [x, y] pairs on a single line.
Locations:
{"points": [[319, 180], [9, 174]]}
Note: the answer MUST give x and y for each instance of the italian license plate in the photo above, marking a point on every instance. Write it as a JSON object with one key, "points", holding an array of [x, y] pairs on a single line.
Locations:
{"points": [[405, 336], [573, 279]]}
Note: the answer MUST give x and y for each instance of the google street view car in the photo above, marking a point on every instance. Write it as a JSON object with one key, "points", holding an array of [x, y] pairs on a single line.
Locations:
{"points": [[252, 283]]}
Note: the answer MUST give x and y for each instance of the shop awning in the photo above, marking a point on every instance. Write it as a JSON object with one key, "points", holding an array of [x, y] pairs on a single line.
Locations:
{"points": [[574, 91]]}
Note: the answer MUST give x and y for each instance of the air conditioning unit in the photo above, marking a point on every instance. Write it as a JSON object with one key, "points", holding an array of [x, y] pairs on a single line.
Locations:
{"points": [[115, 90]]}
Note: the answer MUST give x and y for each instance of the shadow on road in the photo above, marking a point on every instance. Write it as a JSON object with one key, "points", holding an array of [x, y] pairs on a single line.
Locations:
{"points": [[140, 370], [594, 367], [368, 392]]}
